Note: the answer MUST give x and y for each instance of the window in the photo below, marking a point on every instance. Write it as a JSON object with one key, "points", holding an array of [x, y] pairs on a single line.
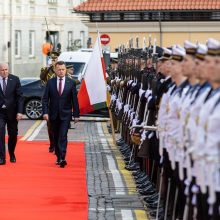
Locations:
{"points": [[96, 17], [82, 38], [70, 40], [32, 10], [18, 10], [132, 16], [31, 43], [52, 1], [215, 15], [52, 11], [17, 44], [111, 16]]}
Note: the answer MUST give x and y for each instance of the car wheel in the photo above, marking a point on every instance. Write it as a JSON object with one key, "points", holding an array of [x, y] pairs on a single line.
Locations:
{"points": [[33, 109]]}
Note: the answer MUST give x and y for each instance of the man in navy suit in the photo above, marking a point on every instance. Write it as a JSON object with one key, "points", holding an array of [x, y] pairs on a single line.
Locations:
{"points": [[11, 109], [59, 100]]}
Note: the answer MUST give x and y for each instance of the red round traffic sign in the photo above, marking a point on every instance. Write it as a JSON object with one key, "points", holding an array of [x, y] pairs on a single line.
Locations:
{"points": [[105, 39]]}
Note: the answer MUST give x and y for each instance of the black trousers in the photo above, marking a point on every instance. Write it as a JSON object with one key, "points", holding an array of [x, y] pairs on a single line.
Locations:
{"points": [[50, 134], [60, 130], [12, 128]]}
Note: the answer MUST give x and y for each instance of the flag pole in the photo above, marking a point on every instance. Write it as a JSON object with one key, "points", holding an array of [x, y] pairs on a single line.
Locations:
{"points": [[108, 94]]}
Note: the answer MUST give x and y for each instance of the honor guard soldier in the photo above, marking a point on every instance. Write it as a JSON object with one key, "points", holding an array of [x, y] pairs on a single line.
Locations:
{"points": [[188, 95], [70, 73], [188, 69], [49, 72], [46, 74], [212, 141], [173, 126], [165, 69], [204, 147]]}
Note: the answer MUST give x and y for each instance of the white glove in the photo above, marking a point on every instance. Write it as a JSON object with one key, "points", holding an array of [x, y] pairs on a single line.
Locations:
{"points": [[80, 77]]}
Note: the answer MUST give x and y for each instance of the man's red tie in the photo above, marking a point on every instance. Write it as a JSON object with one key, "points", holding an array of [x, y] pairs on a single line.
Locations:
{"points": [[60, 87]]}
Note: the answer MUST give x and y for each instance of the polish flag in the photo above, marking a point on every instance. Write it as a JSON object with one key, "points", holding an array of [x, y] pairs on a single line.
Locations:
{"points": [[92, 94]]}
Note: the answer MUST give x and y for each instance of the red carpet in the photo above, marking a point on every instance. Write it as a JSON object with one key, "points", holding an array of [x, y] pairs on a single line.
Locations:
{"points": [[36, 189], [6, 138]]}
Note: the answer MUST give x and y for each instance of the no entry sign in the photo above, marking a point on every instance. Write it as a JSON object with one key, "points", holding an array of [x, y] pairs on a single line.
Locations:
{"points": [[105, 39]]}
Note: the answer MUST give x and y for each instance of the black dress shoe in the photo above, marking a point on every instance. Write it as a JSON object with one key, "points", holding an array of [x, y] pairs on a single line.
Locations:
{"points": [[13, 159], [119, 140], [137, 173], [124, 146], [63, 163], [142, 175], [151, 198], [130, 162], [145, 185], [153, 213], [147, 192], [120, 143], [2, 161], [134, 166], [152, 206], [51, 149], [125, 149], [126, 157], [142, 180], [57, 162], [126, 153]]}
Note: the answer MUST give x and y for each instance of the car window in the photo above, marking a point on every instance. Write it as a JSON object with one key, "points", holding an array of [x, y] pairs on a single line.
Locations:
{"points": [[78, 67]]}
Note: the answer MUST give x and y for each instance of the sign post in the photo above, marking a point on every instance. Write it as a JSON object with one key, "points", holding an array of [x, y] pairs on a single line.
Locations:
{"points": [[105, 39]]}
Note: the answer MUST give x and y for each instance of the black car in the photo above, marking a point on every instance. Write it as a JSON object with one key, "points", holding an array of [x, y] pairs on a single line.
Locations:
{"points": [[33, 90]]}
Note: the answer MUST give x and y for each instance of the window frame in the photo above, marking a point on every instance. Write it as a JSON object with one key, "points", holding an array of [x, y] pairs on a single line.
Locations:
{"points": [[31, 45], [17, 49]]}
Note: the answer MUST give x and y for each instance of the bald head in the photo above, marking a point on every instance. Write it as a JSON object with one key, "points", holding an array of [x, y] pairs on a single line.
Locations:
{"points": [[4, 71]]}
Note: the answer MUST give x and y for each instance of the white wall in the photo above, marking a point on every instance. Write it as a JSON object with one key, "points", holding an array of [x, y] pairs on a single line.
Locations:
{"points": [[30, 15]]}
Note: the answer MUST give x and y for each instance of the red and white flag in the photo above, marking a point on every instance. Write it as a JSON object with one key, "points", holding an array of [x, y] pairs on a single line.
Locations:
{"points": [[92, 94]]}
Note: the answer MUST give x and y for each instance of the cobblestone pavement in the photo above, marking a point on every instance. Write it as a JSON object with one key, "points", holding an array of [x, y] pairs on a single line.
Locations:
{"points": [[111, 189]]}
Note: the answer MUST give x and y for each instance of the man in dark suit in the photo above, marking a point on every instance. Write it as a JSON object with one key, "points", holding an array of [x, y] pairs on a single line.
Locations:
{"points": [[11, 109], [46, 74], [59, 100]]}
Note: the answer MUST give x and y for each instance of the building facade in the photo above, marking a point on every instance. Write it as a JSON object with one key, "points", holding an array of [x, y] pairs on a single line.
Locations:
{"points": [[26, 25], [169, 22]]}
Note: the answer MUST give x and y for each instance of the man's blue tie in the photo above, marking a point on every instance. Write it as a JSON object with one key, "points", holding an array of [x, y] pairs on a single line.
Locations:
{"points": [[3, 85]]}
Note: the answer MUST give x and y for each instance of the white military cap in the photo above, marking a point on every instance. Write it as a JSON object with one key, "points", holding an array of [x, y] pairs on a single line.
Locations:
{"points": [[181, 48], [201, 51], [178, 52], [190, 47], [213, 47], [166, 54]]}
